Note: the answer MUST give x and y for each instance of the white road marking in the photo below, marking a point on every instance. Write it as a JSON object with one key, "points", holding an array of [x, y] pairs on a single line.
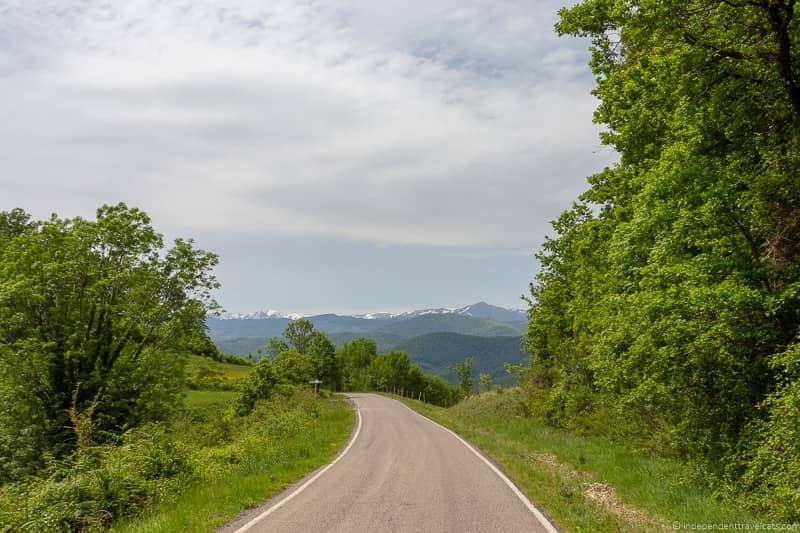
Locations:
{"points": [[524, 499], [305, 485]]}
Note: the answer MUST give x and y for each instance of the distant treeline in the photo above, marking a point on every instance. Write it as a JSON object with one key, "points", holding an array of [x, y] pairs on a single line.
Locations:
{"points": [[668, 303], [304, 354]]}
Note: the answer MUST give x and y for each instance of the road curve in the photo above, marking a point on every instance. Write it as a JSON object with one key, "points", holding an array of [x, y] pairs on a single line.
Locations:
{"points": [[401, 473]]}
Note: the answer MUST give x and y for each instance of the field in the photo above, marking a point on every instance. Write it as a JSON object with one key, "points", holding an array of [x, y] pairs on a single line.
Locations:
{"points": [[280, 442], [205, 373]]}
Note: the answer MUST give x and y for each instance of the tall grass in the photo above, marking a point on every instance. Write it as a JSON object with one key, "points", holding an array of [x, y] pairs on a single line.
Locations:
{"points": [[192, 474]]}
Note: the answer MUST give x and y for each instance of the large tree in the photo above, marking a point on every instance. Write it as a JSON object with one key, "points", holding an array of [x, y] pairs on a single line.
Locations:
{"points": [[94, 315], [670, 292]]}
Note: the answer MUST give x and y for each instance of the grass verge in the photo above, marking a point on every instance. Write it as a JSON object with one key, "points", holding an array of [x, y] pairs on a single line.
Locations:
{"points": [[584, 483], [283, 440]]}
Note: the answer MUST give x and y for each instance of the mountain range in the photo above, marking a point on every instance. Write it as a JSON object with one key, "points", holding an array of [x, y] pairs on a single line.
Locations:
{"points": [[479, 310], [434, 338]]}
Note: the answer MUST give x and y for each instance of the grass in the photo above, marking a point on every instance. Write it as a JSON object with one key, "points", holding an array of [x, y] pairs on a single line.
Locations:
{"points": [[205, 373], [203, 398], [584, 483], [284, 440]]}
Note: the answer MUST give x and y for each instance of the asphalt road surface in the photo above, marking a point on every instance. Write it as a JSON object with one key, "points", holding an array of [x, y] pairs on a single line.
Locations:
{"points": [[400, 472]]}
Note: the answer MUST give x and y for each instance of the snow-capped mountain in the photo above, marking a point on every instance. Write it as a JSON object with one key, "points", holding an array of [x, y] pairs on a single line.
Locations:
{"points": [[478, 310], [261, 315]]}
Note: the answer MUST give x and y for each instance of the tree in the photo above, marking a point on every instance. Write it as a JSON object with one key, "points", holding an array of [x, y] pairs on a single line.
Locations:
{"points": [[463, 371], [93, 313], [326, 364], [276, 345], [668, 295], [356, 357], [299, 334], [15, 222], [258, 386], [486, 381], [293, 367]]}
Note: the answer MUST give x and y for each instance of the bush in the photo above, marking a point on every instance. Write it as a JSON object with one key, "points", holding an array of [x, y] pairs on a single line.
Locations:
{"points": [[774, 457], [96, 486]]}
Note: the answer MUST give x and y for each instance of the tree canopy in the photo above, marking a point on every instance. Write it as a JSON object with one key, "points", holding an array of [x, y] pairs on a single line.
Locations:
{"points": [[93, 317], [670, 292]]}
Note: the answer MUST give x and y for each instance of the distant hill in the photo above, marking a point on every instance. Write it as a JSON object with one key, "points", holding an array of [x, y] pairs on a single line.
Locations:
{"points": [[476, 319], [385, 341], [493, 312], [241, 346], [435, 338], [465, 325], [220, 329], [436, 352]]}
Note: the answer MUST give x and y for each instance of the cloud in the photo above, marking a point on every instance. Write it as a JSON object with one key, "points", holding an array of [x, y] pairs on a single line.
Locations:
{"points": [[442, 123]]}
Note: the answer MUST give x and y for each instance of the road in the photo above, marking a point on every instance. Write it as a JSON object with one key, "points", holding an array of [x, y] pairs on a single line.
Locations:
{"points": [[400, 473]]}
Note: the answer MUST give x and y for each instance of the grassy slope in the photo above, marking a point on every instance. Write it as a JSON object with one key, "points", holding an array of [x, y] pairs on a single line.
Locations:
{"points": [[197, 365], [262, 467], [555, 468]]}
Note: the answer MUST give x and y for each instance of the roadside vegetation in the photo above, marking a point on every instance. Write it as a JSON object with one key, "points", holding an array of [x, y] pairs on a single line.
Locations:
{"points": [[585, 482], [303, 354], [119, 412], [666, 311]]}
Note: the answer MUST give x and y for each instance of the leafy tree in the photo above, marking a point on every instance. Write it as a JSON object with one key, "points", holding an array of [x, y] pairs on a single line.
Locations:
{"points": [[670, 289], [356, 356], [293, 367], [463, 371], [486, 381], [276, 345], [15, 222], [299, 334], [326, 364], [93, 314], [258, 386]]}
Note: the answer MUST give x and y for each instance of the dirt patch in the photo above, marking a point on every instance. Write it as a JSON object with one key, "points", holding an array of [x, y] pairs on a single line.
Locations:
{"points": [[547, 459], [550, 461], [603, 495]]}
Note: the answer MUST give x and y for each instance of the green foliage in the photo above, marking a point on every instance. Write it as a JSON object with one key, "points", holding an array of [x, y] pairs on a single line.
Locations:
{"points": [[276, 345], [299, 334], [671, 286], [773, 460], [14, 223], [437, 352], [486, 381], [356, 357], [463, 370], [95, 309], [259, 385], [326, 364], [97, 486], [208, 374], [555, 467], [159, 469], [293, 367], [363, 369]]}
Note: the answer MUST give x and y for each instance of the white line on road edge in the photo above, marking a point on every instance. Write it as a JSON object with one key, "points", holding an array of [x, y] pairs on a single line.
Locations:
{"points": [[524, 499], [305, 485]]}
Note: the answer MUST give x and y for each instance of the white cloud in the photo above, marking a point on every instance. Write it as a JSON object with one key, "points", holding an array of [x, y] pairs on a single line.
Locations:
{"points": [[447, 123]]}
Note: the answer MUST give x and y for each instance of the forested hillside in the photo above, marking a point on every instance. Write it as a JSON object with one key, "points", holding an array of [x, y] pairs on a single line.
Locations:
{"points": [[434, 341], [438, 352], [668, 301]]}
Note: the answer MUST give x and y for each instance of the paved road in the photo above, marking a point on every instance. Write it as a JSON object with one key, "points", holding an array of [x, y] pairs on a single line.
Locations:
{"points": [[401, 473]]}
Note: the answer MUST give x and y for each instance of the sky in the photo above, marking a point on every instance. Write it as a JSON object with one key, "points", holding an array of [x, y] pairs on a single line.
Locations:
{"points": [[339, 155]]}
